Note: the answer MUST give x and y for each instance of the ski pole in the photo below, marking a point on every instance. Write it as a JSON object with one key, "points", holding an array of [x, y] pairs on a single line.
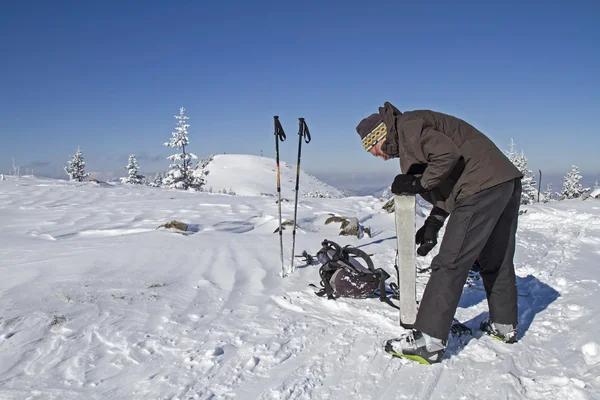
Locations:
{"points": [[279, 135], [303, 132]]}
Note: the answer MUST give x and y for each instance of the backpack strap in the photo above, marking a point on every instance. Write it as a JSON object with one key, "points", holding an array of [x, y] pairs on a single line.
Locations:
{"points": [[359, 253], [325, 272], [323, 254]]}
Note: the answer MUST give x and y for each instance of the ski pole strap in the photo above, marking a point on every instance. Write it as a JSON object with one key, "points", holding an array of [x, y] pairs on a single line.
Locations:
{"points": [[304, 130], [278, 129], [383, 275], [321, 291]]}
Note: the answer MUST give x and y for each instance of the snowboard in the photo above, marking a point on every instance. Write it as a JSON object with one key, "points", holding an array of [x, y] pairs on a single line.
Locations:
{"points": [[405, 215]]}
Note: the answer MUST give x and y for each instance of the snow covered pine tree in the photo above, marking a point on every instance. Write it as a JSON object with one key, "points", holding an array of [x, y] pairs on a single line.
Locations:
{"points": [[76, 167], [547, 194], [572, 189], [529, 192], [157, 181], [200, 170], [512, 152], [181, 176], [133, 167]]}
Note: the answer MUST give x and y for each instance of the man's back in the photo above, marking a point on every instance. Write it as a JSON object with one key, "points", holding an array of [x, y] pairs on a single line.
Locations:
{"points": [[483, 164]]}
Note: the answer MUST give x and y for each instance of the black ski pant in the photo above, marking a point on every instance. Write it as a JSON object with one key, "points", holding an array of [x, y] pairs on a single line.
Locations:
{"points": [[481, 227]]}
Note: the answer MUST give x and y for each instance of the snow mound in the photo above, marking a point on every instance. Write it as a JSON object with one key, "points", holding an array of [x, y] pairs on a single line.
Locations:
{"points": [[591, 353], [249, 175], [595, 193]]}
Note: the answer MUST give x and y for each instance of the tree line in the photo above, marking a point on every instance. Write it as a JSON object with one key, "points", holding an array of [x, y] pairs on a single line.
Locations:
{"points": [[184, 174]]}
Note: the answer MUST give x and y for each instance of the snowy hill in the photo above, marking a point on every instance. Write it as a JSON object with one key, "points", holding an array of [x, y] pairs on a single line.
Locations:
{"points": [[99, 304], [249, 175]]}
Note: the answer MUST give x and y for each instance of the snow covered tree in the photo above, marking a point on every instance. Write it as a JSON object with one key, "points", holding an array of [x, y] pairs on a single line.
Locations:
{"points": [[157, 181], [572, 189], [181, 176], [133, 167], [202, 164], [15, 169], [76, 167], [200, 170], [386, 194], [529, 192], [596, 185], [512, 152], [548, 193]]}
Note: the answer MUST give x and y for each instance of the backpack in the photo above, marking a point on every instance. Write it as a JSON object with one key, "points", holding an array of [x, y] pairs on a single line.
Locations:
{"points": [[342, 275]]}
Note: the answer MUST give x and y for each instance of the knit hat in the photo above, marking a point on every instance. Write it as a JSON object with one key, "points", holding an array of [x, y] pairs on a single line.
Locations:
{"points": [[371, 130]]}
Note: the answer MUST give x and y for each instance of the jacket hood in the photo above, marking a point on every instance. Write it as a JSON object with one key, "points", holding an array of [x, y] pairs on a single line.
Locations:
{"points": [[389, 113], [389, 108]]}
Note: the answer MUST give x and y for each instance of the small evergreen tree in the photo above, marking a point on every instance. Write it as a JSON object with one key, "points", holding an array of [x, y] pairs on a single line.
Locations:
{"points": [[180, 176], [204, 162], [157, 181], [16, 170], [572, 187], [76, 167], [386, 194], [548, 193], [200, 170], [512, 152], [132, 167], [596, 185], [529, 192]]}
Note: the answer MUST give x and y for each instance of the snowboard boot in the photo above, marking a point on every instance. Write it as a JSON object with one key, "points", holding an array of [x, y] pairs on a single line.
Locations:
{"points": [[506, 333], [418, 346]]}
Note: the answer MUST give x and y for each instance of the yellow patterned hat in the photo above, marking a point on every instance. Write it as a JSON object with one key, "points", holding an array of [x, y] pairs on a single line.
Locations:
{"points": [[371, 130]]}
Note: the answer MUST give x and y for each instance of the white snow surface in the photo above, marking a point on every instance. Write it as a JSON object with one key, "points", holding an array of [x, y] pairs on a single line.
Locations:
{"points": [[249, 175], [595, 193], [99, 304]]}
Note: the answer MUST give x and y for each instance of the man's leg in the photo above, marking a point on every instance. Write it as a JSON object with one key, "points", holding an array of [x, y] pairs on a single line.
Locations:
{"points": [[469, 227], [497, 266]]}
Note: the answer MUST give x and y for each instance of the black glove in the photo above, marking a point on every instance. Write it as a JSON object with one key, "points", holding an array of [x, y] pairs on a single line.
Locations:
{"points": [[407, 184], [426, 236]]}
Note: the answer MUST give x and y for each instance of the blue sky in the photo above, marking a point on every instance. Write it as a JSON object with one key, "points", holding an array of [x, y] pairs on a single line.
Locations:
{"points": [[109, 77]]}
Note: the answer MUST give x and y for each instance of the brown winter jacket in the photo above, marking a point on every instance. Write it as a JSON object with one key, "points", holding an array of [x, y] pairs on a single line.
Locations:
{"points": [[460, 160]]}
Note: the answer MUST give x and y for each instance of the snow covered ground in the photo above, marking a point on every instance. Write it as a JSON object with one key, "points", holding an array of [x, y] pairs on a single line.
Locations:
{"points": [[98, 304]]}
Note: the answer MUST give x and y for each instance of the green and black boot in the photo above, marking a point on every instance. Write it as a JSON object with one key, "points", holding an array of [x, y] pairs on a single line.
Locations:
{"points": [[506, 333], [417, 346]]}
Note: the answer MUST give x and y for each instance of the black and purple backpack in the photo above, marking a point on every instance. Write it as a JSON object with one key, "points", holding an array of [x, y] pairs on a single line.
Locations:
{"points": [[343, 275]]}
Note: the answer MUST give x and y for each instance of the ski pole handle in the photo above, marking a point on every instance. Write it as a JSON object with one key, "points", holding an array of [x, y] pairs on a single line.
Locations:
{"points": [[278, 128], [303, 131]]}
